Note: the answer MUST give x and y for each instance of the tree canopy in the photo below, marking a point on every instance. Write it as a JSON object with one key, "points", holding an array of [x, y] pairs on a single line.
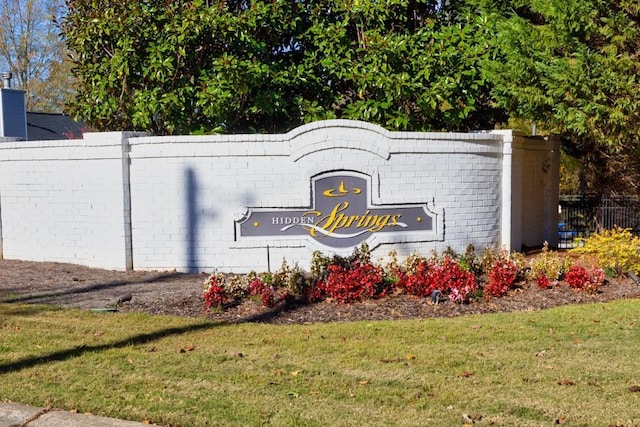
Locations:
{"points": [[202, 66], [250, 66], [573, 66], [31, 49]]}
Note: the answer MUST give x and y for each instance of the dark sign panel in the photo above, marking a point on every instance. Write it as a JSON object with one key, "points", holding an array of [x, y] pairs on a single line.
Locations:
{"points": [[341, 215]]}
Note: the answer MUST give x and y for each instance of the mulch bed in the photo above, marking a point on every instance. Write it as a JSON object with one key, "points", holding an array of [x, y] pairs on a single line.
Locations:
{"points": [[179, 294]]}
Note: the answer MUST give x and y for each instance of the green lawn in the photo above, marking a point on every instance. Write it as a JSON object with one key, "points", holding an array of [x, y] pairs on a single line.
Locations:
{"points": [[571, 366]]}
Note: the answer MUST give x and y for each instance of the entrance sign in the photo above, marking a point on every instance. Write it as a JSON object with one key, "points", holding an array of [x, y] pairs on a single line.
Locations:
{"points": [[341, 216]]}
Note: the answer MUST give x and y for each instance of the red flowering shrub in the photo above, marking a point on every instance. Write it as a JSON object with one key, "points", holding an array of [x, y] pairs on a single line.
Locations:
{"points": [[458, 283], [421, 281], [346, 285], [350, 279], [577, 276], [502, 277], [256, 286], [268, 296], [315, 292], [215, 294], [543, 282], [447, 276], [582, 279]]}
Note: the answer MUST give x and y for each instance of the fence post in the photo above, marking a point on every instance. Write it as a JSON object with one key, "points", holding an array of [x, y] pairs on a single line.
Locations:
{"points": [[507, 177]]}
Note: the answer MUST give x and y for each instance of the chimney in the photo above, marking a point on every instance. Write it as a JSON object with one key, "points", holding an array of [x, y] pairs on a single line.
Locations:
{"points": [[6, 80], [13, 111]]}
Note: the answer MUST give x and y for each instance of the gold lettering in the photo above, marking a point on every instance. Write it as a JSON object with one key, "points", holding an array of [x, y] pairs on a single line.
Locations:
{"points": [[380, 223], [337, 220], [333, 217], [369, 220], [340, 222], [351, 219], [304, 215], [362, 218]]}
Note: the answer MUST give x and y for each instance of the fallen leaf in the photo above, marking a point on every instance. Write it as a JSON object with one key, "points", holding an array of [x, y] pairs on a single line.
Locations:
{"points": [[467, 419], [98, 333], [410, 357], [634, 388], [566, 382], [476, 327], [541, 353], [466, 374], [187, 348], [295, 373], [365, 382]]}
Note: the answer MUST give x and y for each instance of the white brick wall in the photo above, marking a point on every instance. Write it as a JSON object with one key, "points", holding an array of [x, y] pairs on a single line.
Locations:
{"points": [[62, 201], [68, 200]]}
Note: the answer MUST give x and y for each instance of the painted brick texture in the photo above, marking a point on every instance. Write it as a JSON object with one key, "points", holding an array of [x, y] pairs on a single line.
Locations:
{"points": [[173, 201]]}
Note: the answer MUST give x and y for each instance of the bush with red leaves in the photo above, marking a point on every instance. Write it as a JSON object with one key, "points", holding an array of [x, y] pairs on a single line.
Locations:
{"points": [[502, 277], [447, 276], [215, 294], [582, 279], [346, 285]]}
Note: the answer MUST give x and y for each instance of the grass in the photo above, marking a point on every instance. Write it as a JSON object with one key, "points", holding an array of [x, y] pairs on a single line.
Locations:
{"points": [[572, 366]]}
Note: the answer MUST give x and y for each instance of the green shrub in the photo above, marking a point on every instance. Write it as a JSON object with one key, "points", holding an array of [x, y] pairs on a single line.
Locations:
{"points": [[548, 264]]}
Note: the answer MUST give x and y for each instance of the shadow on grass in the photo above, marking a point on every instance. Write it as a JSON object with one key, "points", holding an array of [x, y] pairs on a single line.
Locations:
{"points": [[135, 340], [79, 351]]}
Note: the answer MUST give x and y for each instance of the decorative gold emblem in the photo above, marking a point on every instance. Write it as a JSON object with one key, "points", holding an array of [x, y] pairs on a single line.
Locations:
{"points": [[341, 191]]}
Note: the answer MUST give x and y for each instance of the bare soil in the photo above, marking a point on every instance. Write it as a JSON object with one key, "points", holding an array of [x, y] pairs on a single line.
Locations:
{"points": [[172, 293]]}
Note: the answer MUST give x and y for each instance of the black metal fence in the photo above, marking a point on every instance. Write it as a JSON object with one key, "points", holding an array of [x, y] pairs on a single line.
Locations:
{"points": [[582, 215]]}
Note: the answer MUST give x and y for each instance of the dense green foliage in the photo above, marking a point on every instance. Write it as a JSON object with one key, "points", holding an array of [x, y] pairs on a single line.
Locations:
{"points": [[573, 67], [247, 66], [206, 66]]}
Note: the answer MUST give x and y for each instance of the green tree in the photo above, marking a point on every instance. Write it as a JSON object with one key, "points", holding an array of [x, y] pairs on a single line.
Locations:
{"points": [[253, 66], [572, 66]]}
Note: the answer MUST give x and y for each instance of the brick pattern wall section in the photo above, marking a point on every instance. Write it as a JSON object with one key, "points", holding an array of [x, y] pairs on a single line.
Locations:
{"points": [[62, 201], [119, 200]]}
